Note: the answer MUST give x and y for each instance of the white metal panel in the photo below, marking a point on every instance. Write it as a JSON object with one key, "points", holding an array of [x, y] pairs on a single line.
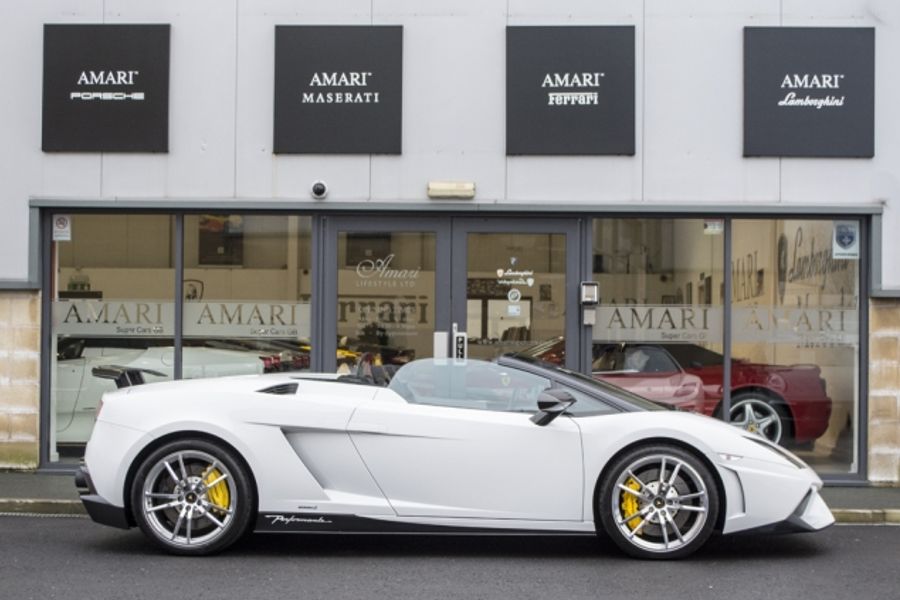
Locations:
{"points": [[693, 112], [202, 86], [261, 174], [453, 107]]}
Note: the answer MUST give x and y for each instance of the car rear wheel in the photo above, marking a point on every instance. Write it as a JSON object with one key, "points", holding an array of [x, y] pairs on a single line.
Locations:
{"points": [[758, 413], [192, 497], [658, 502]]}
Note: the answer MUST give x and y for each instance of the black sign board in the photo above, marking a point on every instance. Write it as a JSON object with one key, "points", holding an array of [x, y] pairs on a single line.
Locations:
{"points": [[106, 88], [338, 89], [570, 90], [809, 91]]}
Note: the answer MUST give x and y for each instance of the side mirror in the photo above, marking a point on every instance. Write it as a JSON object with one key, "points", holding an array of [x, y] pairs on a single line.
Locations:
{"points": [[551, 404]]}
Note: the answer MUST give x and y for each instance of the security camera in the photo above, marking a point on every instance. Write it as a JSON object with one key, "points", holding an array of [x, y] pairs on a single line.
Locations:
{"points": [[318, 190]]}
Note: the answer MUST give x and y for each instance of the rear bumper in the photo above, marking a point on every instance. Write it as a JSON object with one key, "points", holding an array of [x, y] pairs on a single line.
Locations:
{"points": [[97, 508]]}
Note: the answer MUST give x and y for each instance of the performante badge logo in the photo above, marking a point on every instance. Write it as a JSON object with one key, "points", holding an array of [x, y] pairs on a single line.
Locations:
{"points": [[293, 519], [845, 236]]}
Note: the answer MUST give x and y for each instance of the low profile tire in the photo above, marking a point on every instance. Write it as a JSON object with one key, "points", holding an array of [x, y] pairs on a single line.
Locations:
{"points": [[658, 502], [762, 414], [192, 497]]}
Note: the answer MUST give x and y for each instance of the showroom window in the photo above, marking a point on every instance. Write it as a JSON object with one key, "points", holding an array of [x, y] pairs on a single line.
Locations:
{"points": [[112, 303], [795, 336], [247, 289], [661, 298]]}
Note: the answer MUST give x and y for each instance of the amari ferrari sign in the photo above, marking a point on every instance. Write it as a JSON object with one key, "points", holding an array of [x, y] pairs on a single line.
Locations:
{"points": [[570, 90], [106, 88], [809, 91], [338, 90]]}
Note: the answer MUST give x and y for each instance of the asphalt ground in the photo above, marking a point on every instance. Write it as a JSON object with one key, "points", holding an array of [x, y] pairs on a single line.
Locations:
{"points": [[43, 493], [72, 557]]}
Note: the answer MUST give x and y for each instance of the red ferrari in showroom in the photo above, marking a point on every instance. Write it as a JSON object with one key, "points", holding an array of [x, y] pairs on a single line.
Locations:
{"points": [[787, 404]]}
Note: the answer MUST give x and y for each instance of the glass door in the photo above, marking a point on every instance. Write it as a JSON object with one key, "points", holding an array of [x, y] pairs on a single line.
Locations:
{"points": [[515, 284], [391, 283], [386, 292]]}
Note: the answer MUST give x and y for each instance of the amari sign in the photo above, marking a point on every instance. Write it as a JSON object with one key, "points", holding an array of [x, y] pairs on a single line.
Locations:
{"points": [[106, 88], [809, 91], [338, 90], [570, 90]]}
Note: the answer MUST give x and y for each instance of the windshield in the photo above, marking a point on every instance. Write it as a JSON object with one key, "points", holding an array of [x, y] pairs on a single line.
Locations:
{"points": [[601, 386]]}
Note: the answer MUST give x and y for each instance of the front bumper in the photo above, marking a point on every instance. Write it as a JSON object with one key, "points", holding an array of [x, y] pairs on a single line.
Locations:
{"points": [[97, 508], [812, 514]]}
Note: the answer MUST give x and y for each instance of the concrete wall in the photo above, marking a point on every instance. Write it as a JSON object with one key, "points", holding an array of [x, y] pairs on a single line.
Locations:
{"points": [[884, 392], [19, 376]]}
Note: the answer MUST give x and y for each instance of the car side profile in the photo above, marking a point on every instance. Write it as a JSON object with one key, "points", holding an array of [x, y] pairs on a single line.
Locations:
{"points": [[508, 447]]}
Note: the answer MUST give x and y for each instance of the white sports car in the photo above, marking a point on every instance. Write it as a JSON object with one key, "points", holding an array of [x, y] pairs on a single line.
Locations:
{"points": [[511, 447]]}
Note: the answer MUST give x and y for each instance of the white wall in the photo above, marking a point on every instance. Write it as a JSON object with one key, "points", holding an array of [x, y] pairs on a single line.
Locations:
{"points": [[689, 108]]}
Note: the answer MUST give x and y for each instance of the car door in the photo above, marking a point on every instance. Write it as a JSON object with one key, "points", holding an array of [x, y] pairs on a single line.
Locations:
{"points": [[472, 452]]}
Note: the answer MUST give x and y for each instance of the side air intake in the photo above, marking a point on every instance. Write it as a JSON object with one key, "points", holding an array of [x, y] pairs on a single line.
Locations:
{"points": [[282, 389]]}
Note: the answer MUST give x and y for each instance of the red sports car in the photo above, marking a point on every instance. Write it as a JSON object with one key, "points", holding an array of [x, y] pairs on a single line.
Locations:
{"points": [[786, 404]]}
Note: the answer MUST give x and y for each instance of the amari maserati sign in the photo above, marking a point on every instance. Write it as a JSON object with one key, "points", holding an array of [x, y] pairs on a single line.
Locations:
{"points": [[106, 88], [570, 90], [809, 91], [338, 89]]}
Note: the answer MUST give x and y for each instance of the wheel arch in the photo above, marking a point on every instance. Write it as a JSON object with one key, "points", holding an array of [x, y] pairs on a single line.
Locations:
{"points": [[720, 487], [173, 437]]}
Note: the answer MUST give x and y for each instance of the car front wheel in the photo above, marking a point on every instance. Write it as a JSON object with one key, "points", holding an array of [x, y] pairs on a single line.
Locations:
{"points": [[192, 497], [658, 502]]}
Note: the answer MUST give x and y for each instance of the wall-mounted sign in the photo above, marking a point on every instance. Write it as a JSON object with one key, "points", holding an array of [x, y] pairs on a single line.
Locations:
{"points": [[809, 91], [570, 90], [62, 228], [338, 89], [845, 243], [106, 88]]}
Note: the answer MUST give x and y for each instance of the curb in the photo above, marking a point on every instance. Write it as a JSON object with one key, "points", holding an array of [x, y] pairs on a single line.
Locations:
{"points": [[41, 507], [867, 516], [33, 506]]}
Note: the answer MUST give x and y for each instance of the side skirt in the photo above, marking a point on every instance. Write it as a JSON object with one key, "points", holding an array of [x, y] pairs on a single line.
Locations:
{"points": [[353, 524]]}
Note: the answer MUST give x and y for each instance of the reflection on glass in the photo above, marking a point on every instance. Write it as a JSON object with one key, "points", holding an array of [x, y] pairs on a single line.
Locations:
{"points": [[795, 335], [515, 290], [112, 304], [385, 312], [659, 323], [247, 283]]}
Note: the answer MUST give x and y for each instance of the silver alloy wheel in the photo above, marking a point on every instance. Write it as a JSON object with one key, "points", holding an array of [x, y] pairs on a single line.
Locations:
{"points": [[177, 502], [659, 503], [757, 415]]}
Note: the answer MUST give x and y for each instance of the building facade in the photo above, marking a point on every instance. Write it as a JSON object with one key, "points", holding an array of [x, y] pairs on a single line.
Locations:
{"points": [[223, 188]]}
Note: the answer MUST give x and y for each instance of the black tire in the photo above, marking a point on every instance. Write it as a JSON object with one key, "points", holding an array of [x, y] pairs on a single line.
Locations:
{"points": [[671, 506], [192, 497], [760, 413]]}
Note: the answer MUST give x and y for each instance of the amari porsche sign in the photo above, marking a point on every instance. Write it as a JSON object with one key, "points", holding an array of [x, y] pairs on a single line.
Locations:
{"points": [[106, 88], [338, 89], [570, 90], [809, 91]]}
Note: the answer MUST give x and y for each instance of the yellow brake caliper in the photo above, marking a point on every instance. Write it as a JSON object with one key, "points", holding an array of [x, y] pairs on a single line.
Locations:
{"points": [[630, 505], [218, 494]]}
